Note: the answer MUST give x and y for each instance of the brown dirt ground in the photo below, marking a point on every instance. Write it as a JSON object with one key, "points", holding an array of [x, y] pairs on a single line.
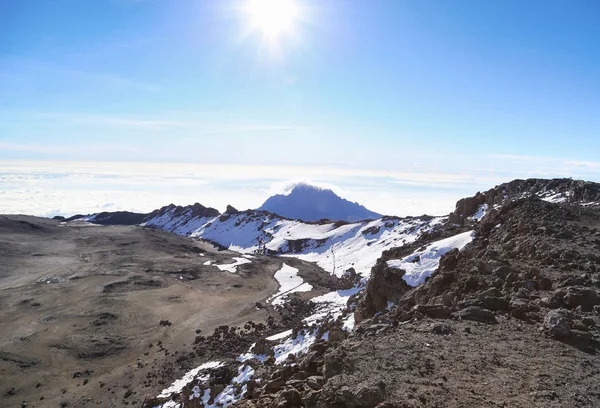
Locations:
{"points": [[81, 307]]}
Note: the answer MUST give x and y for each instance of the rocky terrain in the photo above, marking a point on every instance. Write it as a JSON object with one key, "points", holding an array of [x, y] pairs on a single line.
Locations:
{"points": [[511, 320], [497, 304]]}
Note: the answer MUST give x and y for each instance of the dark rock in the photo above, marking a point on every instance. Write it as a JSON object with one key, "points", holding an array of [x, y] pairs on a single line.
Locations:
{"points": [[311, 362], [519, 307], [581, 296], [554, 301], [558, 323], [338, 392], [231, 210], [262, 346], [486, 302], [572, 281], [315, 382], [588, 322], [442, 328], [310, 399], [290, 397], [449, 261], [477, 314], [333, 363], [467, 207], [435, 311], [337, 335], [386, 285], [545, 283], [503, 271], [274, 385]]}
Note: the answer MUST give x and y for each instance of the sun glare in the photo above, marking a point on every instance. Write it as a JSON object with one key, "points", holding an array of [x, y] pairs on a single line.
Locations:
{"points": [[272, 17]]}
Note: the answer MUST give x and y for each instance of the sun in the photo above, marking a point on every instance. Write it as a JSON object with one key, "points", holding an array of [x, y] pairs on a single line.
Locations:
{"points": [[273, 18]]}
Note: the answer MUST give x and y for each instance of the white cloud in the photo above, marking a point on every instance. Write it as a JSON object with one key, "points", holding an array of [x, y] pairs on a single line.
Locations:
{"points": [[47, 188], [285, 187]]}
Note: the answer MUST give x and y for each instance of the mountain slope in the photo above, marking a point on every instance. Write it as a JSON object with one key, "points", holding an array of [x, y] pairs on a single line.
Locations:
{"points": [[335, 247], [509, 317], [310, 203]]}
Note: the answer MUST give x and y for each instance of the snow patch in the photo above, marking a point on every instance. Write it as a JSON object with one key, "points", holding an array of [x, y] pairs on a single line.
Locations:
{"points": [[229, 396], [331, 304], [280, 336], [481, 211], [232, 267], [289, 282], [178, 385], [421, 264], [298, 345], [349, 323], [554, 197]]}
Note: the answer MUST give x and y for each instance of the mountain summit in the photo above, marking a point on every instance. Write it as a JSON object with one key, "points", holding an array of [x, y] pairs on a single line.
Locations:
{"points": [[310, 203]]}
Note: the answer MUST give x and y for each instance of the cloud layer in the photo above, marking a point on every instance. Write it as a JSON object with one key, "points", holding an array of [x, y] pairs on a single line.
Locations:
{"points": [[66, 188]]}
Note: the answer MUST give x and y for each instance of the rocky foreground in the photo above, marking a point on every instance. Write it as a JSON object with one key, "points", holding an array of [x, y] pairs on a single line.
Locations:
{"points": [[511, 320]]}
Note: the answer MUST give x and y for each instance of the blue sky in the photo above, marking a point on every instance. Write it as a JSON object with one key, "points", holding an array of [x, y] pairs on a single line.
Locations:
{"points": [[475, 91]]}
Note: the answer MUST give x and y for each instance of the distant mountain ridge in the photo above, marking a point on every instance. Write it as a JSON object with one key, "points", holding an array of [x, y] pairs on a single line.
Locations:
{"points": [[310, 203], [337, 246]]}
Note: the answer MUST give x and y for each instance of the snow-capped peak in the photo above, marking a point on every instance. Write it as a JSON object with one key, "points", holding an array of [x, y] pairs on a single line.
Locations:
{"points": [[308, 202]]}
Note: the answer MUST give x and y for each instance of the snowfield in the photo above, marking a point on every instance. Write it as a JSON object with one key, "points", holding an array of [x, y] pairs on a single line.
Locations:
{"points": [[335, 247]]}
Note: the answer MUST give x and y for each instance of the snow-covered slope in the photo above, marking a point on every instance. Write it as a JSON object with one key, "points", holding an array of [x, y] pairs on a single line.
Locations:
{"points": [[335, 247], [309, 203]]}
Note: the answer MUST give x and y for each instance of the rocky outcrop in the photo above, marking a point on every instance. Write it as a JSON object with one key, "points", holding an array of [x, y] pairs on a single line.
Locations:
{"points": [[560, 190], [386, 285], [196, 210], [231, 210]]}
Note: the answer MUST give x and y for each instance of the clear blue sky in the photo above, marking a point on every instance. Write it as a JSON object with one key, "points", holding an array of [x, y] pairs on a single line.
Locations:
{"points": [[511, 86]]}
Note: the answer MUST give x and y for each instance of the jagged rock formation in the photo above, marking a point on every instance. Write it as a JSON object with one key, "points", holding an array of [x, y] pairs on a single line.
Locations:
{"points": [[553, 190], [231, 210], [196, 210]]}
